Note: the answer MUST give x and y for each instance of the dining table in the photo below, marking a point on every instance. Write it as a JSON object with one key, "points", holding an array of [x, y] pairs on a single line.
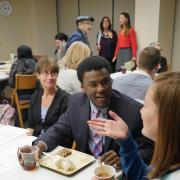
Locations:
{"points": [[13, 138]]}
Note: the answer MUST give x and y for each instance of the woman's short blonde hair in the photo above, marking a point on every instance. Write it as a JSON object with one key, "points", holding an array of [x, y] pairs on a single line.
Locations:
{"points": [[75, 54]]}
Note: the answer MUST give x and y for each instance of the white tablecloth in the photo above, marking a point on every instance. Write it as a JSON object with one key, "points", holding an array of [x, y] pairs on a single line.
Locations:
{"points": [[11, 170], [3, 76]]}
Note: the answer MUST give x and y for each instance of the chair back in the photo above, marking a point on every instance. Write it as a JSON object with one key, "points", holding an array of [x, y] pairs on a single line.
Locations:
{"points": [[24, 82]]}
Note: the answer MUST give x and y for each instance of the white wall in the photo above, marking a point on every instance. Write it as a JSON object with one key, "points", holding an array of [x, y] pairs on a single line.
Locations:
{"points": [[67, 13], [146, 21], [123, 6], [176, 40], [166, 27], [32, 22]]}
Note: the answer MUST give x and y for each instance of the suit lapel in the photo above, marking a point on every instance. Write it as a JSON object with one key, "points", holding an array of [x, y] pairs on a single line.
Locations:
{"points": [[84, 117], [50, 109], [38, 108]]}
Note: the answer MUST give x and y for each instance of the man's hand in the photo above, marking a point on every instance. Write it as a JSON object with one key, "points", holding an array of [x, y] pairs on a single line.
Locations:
{"points": [[111, 158], [114, 59], [116, 128], [98, 47], [133, 59]]}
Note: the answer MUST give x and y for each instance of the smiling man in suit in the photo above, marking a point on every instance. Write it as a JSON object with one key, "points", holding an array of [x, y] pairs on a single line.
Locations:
{"points": [[97, 96]]}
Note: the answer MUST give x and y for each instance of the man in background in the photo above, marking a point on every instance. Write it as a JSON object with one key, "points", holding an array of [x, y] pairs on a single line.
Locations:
{"points": [[84, 25], [60, 42], [163, 60], [136, 84]]}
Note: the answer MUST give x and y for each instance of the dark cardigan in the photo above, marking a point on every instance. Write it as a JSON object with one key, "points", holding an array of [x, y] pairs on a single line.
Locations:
{"points": [[57, 107]]}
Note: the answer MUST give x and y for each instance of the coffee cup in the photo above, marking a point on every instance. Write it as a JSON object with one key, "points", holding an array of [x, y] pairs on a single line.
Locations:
{"points": [[12, 57], [105, 172], [123, 68], [29, 156]]}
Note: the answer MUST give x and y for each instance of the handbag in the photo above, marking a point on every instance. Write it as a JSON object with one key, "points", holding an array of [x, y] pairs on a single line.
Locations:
{"points": [[7, 113], [129, 65]]}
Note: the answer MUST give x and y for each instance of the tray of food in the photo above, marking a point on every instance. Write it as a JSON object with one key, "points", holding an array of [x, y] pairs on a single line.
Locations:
{"points": [[65, 161]]}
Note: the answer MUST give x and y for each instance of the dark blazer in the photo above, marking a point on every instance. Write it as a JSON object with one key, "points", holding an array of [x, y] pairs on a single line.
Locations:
{"points": [[57, 107], [72, 125], [77, 36]]}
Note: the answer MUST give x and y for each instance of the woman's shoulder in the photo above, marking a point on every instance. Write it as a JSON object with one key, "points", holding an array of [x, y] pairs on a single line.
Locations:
{"points": [[131, 29], [36, 94], [60, 92]]}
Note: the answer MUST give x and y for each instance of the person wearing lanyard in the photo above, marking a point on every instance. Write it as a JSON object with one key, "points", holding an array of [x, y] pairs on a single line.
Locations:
{"points": [[106, 40]]}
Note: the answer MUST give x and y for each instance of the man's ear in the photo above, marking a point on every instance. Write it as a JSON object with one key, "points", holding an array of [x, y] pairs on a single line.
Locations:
{"points": [[157, 67], [82, 87]]}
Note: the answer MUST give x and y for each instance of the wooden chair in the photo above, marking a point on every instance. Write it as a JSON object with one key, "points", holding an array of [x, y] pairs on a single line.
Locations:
{"points": [[22, 82]]}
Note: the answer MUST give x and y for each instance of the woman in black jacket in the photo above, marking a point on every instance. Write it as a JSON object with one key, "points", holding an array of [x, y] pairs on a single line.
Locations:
{"points": [[106, 40], [49, 103]]}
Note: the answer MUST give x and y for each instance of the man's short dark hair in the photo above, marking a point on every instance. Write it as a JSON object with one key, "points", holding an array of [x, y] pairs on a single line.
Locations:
{"points": [[61, 36], [149, 58], [92, 63]]}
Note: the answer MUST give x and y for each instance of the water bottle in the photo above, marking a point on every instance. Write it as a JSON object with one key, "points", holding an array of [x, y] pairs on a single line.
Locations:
{"points": [[12, 57]]}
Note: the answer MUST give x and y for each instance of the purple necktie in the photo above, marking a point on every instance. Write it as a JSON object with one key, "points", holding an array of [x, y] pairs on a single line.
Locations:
{"points": [[97, 139]]}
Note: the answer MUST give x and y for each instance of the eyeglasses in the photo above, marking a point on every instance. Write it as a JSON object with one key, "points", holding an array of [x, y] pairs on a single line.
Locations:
{"points": [[88, 23], [47, 73]]}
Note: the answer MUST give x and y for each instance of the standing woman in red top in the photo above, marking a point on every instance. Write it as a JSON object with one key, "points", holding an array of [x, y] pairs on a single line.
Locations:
{"points": [[126, 46]]}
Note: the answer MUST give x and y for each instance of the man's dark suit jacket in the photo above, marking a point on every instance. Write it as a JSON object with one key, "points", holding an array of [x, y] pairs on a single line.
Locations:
{"points": [[72, 125]]}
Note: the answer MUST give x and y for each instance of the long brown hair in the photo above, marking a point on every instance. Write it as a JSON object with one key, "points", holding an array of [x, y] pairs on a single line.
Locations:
{"points": [[125, 29], [167, 98]]}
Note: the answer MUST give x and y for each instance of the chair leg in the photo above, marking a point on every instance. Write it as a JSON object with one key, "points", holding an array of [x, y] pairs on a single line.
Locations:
{"points": [[21, 124]]}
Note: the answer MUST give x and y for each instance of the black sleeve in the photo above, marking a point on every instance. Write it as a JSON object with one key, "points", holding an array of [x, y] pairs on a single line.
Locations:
{"points": [[12, 75], [31, 120], [60, 133], [145, 145], [114, 40]]}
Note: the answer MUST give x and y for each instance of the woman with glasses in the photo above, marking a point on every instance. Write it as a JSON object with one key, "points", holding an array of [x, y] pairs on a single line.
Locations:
{"points": [[106, 40], [50, 102]]}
